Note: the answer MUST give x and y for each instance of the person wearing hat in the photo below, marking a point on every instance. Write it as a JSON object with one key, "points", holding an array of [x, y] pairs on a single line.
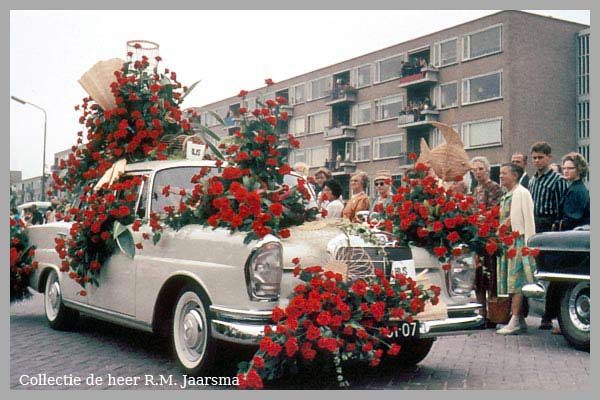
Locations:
{"points": [[383, 188]]}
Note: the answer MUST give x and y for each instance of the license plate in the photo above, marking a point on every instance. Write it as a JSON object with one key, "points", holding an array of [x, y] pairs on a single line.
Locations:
{"points": [[405, 267], [406, 330]]}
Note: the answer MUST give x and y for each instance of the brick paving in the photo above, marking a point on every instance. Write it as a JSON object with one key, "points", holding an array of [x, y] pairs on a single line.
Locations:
{"points": [[538, 360]]}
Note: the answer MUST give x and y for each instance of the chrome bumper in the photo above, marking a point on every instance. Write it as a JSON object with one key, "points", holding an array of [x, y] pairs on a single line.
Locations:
{"points": [[244, 327]]}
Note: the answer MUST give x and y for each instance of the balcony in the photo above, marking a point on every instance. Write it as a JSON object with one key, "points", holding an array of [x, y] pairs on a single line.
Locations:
{"points": [[341, 94], [339, 132], [419, 118], [288, 109], [427, 76], [345, 167]]}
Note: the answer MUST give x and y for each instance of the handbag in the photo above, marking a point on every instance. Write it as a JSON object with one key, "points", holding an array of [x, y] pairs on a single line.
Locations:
{"points": [[499, 309]]}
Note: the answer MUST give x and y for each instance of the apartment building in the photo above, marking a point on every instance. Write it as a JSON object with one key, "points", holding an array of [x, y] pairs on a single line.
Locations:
{"points": [[502, 81]]}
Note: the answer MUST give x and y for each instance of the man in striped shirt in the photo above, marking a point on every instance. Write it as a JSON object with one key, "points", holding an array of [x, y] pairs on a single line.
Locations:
{"points": [[547, 189]]}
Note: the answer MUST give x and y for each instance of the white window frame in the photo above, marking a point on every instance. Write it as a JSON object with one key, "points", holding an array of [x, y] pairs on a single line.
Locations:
{"points": [[436, 138], [293, 122], [438, 96], [310, 96], [247, 103], [466, 43], [354, 76], [308, 155], [377, 145], [437, 52], [354, 113], [353, 146], [377, 107], [466, 90], [465, 133], [293, 94], [307, 123], [378, 68]]}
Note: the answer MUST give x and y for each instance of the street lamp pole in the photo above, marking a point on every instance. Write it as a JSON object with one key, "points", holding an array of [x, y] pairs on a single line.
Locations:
{"points": [[18, 100]]}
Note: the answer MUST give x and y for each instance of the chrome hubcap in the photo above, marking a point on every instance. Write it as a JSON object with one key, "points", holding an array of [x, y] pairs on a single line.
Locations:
{"points": [[192, 329], [54, 295], [579, 307]]}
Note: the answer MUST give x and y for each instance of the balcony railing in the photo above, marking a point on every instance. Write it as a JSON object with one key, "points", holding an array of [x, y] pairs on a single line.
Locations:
{"points": [[427, 76], [341, 94], [417, 118], [339, 132]]}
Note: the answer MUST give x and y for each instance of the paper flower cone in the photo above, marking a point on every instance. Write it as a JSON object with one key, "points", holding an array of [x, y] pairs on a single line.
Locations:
{"points": [[96, 82]]}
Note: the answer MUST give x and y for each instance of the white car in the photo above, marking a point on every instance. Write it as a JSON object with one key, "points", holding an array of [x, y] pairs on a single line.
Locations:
{"points": [[199, 285]]}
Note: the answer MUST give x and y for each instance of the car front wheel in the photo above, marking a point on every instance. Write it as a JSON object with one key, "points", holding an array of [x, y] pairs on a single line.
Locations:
{"points": [[574, 315], [193, 344], [58, 315]]}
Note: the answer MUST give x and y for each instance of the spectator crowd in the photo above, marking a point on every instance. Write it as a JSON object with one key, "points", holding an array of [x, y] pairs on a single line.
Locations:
{"points": [[555, 198]]}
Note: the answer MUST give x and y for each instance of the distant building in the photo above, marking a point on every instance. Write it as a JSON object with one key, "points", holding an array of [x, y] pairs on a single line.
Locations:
{"points": [[30, 189], [503, 81]]}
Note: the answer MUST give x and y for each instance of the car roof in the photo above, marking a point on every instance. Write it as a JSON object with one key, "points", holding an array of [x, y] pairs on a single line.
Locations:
{"points": [[155, 165], [34, 203]]}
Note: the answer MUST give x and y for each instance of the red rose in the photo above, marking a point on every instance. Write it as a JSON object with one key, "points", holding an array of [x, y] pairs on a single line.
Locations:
{"points": [[242, 93], [284, 233], [295, 260], [269, 82], [437, 226], [511, 252], [258, 362], [440, 251], [453, 237], [124, 211], [412, 156]]}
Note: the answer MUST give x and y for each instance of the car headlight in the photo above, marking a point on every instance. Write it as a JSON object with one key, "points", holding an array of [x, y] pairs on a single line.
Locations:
{"points": [[263, 272], [461, 277]]}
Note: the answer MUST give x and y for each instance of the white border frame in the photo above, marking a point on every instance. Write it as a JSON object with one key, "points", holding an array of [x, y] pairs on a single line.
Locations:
{"points": [[376, 139], [463, 136], [377, 72], [439, 99], [438, 50], [307, 124]]}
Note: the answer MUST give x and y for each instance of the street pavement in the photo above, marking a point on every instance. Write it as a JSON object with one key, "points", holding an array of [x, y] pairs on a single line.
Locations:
{"points": [[106, 356]]}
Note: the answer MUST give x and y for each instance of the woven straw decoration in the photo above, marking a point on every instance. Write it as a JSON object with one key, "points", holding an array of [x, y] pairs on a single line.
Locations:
{"points": [[96, 82], [449, 160]]}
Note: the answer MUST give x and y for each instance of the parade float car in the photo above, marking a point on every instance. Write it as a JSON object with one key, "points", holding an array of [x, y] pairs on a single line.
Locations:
{"points": [[563, 272], [198, 285]]}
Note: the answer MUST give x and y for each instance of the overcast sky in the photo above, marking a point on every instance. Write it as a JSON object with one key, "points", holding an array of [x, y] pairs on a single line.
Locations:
{"points": [[227, 50]]}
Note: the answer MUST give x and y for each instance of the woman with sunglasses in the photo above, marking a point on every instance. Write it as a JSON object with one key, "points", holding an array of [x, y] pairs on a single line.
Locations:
{"points": [[383, 187]]}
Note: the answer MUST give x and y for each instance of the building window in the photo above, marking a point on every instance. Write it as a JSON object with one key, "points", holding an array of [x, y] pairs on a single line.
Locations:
{"points": [[249, 103], [583, 120], [482, 133], [387, 146], [482, 43], [313, 157], [388, 107], [317, 122], [389, 68], [298, 94], [297, 126], [359, 150], [446, 53], [210, 119], [361, 113], [361, 76], [436, 137], [583, 64], [448, 95], [319, 87], [482, 88]]}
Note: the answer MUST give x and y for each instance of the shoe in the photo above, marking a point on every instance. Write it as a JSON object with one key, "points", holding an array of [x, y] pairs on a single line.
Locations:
{"points": [[508, 330], [545, 325]]}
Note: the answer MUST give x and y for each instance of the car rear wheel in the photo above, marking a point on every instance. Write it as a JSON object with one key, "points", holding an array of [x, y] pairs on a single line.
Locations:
{"points": [[58, 315], [193, 344], [574, 315]]}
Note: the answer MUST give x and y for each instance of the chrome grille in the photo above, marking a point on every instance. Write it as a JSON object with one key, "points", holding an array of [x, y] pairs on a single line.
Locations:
{"points": [[363, 261]]}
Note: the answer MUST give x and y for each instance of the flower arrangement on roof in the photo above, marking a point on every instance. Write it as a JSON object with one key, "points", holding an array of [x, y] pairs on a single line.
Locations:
{"points": [[248, 194], [126, 119]]}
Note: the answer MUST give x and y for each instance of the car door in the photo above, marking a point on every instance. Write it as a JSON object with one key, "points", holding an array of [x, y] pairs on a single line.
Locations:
{"points": [[117, 280]]}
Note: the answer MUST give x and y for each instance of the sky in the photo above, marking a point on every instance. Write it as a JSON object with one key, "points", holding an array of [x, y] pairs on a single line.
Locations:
{"points": [[227, 50]]}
